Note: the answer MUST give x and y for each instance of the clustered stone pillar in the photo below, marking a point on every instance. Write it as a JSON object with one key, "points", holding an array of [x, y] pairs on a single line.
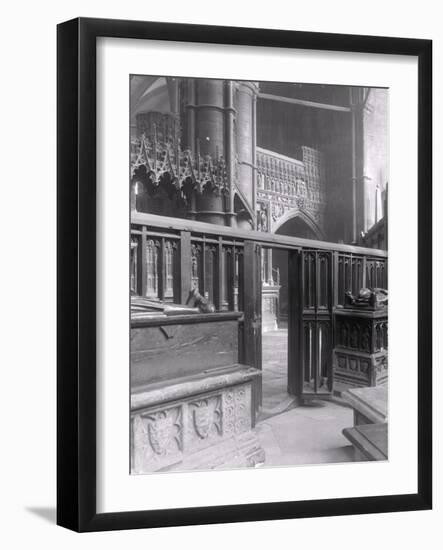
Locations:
{"points": [[220, 121], [206, 136], [210, 117], [210, 141]]}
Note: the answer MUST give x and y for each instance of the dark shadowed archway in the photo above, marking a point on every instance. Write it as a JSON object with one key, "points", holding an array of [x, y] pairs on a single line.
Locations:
{"points": [[298, 224]]}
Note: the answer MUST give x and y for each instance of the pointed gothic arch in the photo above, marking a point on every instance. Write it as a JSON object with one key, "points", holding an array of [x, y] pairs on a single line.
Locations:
{"points": [[298, 223]]}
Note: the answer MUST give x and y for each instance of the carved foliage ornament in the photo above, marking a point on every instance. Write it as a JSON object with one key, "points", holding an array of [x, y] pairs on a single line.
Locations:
{"points": [[157, 165]]}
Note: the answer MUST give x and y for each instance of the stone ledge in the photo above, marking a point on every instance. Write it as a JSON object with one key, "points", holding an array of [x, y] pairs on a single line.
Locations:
{"points": [[172, 390], [370, 441], [370, 402]]}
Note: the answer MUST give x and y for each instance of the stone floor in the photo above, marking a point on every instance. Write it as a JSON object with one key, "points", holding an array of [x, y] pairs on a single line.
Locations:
{"points": [[307, 435], [310, 434], [275, 373]]}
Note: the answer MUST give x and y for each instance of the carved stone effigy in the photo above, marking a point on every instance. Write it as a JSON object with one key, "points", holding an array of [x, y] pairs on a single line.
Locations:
{"points": [[375, 298], [361, 341], [191, 401]]}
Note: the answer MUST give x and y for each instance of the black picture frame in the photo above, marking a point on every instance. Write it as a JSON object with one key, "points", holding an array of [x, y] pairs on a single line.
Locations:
{"points": [[76, 278]]}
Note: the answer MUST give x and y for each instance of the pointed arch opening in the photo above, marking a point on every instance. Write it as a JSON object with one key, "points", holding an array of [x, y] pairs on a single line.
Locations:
{"points": [[298, 224]]}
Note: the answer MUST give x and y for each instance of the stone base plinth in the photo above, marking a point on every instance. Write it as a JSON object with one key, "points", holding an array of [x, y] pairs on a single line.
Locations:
{"points": [[270, 306], [360, 356], [356, 369], [203, 422]]}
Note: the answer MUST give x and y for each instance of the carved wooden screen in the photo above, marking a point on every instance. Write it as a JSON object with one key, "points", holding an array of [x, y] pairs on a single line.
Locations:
{"points": [[226, 266], [154, 264], [311, 323], [252, 323], [216, 271]]}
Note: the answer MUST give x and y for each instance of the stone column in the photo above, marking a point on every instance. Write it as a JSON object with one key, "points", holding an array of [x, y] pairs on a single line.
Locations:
{"points": [[358, 163], [246, 137], [376, 143], [189, 137], [370, 150], [230, 148], [210, 140], [210, 117]]}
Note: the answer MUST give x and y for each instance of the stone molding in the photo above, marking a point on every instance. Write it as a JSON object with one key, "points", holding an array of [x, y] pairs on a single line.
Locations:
{"points": [[155, 393]]}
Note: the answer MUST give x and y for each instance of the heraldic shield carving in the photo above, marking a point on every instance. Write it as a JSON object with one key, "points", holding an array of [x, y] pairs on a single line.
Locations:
{"points": [[202, 418], [160, 432]]}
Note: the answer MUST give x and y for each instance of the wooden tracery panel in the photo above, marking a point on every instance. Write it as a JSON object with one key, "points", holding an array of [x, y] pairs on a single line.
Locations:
{"points": [[376, 273], [311, 323], [152, 257], [252, 323], [350, 271]]}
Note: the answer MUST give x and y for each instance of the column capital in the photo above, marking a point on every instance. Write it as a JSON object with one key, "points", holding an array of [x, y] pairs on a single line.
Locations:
{"points": [[248, 86]]}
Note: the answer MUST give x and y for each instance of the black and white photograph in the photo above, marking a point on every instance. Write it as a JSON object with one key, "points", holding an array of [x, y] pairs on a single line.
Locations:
{"points": [[221, 283], [258, 267]]}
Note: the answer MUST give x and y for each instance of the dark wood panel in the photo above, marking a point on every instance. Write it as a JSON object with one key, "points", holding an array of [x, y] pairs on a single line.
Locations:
{"points": [[163, 352], [295, 373], [251, 302]]}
